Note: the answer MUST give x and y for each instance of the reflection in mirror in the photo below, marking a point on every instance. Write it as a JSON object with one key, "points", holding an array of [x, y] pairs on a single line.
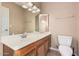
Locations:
{"points": [[21, 20], [42, 23], [4, 17]]}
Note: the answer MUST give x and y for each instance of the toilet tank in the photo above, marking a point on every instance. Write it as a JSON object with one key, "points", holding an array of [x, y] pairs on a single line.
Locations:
{"points": [[64, 40]]}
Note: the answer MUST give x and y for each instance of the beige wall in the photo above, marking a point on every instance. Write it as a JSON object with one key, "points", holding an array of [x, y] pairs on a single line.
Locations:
{"points": [[0, 3], [77, 17], [16, 17], [62, 21]]}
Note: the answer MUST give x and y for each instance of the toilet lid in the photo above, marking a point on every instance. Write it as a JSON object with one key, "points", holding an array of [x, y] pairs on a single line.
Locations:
{"points": [[65, 50]]}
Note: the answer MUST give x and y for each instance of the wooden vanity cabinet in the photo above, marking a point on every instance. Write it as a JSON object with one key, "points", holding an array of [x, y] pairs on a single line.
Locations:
{"points": [[38, 48]]}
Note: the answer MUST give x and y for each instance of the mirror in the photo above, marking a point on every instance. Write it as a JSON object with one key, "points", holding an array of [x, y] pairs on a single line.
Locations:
{"points": [[21, 19]]}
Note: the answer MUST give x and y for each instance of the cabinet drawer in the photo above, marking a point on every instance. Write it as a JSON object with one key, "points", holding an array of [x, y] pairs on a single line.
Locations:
{"points": [[46, 47]]}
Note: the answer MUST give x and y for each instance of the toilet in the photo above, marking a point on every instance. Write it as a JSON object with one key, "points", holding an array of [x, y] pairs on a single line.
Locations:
{"points": [[65, 45]]}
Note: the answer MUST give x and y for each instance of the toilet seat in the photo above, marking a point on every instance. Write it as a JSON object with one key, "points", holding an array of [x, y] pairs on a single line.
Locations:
{"points": [[65, 50]]}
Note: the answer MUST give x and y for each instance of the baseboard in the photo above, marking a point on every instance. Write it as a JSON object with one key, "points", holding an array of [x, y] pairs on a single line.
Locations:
{"points": [[75, 54], [51, 48]]}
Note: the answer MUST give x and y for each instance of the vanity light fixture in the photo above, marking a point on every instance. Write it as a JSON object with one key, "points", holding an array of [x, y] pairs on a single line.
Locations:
{"points": [[31, 7]]}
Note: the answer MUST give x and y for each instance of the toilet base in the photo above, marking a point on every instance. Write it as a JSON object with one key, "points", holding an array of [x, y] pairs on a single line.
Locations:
{"points": [[65, 50]]}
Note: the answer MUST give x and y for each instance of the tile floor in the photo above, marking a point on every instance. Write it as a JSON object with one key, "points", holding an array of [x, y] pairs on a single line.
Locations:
{"points": [[53, 53]]}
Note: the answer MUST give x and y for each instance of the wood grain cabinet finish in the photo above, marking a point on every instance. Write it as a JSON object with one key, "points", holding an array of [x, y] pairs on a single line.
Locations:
{"points": [[7, 51], [38, 48], [46, 47]]}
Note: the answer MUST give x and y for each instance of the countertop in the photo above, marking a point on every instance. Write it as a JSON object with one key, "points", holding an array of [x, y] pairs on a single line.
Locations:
{"points": [[16, 42]]}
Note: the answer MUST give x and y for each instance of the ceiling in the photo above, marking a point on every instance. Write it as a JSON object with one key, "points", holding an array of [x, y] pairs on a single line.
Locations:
{"points": [[35, 3]]}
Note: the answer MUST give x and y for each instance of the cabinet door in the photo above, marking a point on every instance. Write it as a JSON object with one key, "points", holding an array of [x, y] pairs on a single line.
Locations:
{"points": [[46, 47], [31, 53], [40, 50], [7, 51]]}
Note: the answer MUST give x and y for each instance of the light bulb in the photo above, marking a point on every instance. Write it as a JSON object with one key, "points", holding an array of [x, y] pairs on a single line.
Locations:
{"points": [[34, 7], [24, 6], [29, 9], [33, 11], [38, 10]]}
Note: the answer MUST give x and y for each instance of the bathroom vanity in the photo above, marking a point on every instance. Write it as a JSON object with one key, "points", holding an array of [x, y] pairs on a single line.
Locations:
{"points": [[35, 45]]}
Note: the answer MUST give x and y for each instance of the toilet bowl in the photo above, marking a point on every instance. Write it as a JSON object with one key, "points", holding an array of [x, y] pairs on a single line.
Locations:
{"points": [[64, 45], [65, 50]]}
